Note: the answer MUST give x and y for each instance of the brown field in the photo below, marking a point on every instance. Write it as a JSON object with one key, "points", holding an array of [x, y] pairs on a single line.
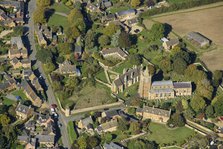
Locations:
{"points": [[208, 22], [213, 59]]}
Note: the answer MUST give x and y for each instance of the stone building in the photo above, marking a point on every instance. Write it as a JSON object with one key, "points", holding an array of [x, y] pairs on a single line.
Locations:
{"points": [[128, 78], [149, 89], [155, 114], [23, 112], [198, 39]]}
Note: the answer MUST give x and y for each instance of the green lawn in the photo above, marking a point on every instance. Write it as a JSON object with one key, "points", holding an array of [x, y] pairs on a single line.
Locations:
{"points": [[101, 76], [90, 96], [132, 90], [161, 134], [58, 20], [61, 8], [71, 132], [176, 1], [20, 93], [7, 101]]}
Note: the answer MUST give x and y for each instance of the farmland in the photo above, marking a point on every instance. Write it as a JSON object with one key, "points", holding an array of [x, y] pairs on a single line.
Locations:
{"points": [[210, 26]]}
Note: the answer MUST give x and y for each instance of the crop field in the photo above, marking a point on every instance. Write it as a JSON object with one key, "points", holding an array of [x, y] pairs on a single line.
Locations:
{"points": [[213, 59], [207, 21]]}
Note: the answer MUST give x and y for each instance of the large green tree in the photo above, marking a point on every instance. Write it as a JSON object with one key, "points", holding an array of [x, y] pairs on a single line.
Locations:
{"points": [[103, 40], [44, 55], [43, 3], [156, 32], [39, 15], [90, 39], [111, 29], [198, 103], [179, 65], [135, 3], [124, 40]]}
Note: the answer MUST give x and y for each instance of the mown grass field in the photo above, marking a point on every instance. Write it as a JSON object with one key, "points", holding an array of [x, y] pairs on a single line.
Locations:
{"points": [[61, 8], [58, 20], [161, 134]]}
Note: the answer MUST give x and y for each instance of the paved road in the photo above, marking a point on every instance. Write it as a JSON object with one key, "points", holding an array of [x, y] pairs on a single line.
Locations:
{"points": [[49, 92], [61, 14]]}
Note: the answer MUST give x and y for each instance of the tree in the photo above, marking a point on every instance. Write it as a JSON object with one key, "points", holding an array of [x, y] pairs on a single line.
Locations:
{"points": [[135, 3], [217, 77], [124, 40], [111, 29], [217, 103], [179, 65], [43, 3], [205, 89], [90, 39], [44, 55], [177, 120], [135, 59], [64, 48], [72, 82], [82, 142], [165, 65], [197, 103], [49, 67], [103, 40], [185, 104], [108, 137], [4, 120], [209, 111], [72, 32], [122, 124], [115, 39], [135, 128], [76, 18], [156, 32], [141, 144], [18, 30], [39, 15], [92, 141]]}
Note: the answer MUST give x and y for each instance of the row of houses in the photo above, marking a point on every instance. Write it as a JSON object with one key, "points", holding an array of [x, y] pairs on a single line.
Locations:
{"points": [[38, 130], [14, 17]]}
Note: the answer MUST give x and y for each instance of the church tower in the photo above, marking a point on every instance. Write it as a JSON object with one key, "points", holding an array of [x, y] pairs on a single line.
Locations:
{"points": [[144, 83]]}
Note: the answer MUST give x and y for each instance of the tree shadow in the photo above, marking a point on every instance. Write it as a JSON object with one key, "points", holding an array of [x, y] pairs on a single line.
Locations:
{"points": [[49, 13], [167, 29]]}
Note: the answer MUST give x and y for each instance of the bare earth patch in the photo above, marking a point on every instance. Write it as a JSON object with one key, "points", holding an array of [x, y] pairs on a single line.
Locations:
{"points": [[208, 22], [213, 59]]}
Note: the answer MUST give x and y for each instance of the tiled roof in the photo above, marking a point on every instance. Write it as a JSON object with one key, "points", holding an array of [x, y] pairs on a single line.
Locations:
{"points": [[164, 90], [126, 12], [45, 138], [172, 42], [112, 145], [108, 125], [23, 108]]}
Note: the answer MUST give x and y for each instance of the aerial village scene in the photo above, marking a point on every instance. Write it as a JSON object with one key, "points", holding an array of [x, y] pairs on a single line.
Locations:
{"points": [[111, 74]]}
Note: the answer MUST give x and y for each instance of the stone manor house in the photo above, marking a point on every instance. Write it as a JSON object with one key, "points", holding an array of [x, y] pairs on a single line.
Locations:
{"points": [[149, 89]]}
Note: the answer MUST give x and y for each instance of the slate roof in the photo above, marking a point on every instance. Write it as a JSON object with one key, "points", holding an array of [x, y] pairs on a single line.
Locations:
{"points": [[78, 49], [22, 108], [134, 71], [45, 138], [107, 125], [126, 12], [172, 42], [197, 37], [111, 113], [67, 67], [182, 85], [114, 50], [161, 83], [112, 145], [87, 121], [18, 42], [156, 111], [132, 21], [23, 138], [28, 89]]}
